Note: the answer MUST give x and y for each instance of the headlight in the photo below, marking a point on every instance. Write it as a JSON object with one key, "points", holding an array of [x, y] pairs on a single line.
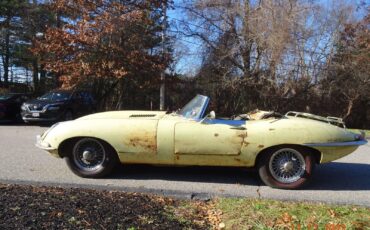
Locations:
{"points": [[361, 136], [23, 107]]}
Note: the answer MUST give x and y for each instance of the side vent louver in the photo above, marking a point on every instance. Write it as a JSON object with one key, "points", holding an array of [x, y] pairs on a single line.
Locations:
{"points": [[142, 115]]}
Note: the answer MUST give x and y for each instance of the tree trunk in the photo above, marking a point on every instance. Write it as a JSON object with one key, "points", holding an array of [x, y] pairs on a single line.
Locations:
{"points": [[1, 84], [6, 57], [246, 33], [350, 106], [35, 78], [42, 78]]}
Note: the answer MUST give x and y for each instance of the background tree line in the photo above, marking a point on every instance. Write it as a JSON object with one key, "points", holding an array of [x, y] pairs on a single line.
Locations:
{"points": [[278, 55]]}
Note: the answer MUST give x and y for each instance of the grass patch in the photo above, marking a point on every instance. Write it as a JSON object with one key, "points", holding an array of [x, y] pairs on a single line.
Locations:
{"points": [[270, 214], [33, 207]]}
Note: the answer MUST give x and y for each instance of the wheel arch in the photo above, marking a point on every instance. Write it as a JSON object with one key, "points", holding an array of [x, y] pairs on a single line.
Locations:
{"points": [[65, 147], [316, 153]]}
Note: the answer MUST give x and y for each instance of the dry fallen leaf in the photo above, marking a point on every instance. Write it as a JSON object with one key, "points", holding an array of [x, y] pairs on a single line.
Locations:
{"points": [[287, 218], [222, 225], [332, 213]]}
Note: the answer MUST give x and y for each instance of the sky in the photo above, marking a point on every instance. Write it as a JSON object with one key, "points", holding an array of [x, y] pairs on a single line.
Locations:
{"points": [[190, 49]]}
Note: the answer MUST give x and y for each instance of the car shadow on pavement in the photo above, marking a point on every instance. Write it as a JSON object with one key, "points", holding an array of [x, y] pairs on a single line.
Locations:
{"points": [[339, 176], [225, 175], [5, 123], [334, 176]]}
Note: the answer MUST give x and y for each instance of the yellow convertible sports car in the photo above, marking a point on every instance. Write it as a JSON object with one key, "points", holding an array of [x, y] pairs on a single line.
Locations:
{"points": [[283, 148]]}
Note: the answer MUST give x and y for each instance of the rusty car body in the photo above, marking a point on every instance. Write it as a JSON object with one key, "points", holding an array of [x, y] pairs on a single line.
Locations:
{"points": [[283, 148]]}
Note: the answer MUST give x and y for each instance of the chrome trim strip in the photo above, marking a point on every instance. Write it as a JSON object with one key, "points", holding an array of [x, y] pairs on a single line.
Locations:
{"points": [[204, 109], [337, 144], [44, 148], [38, 144]]}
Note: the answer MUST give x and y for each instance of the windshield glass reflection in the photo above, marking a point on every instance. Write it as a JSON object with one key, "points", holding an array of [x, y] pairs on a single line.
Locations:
{"points": [[55, 96], [195, 108]]}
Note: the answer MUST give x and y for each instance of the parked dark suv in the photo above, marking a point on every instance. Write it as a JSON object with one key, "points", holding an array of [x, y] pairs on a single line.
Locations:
{"points": [[10, 105], [58, 105]]}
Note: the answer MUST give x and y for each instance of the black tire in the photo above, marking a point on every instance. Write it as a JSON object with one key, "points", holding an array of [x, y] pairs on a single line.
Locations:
{"points": [[286, 167], [91, 158], [68, 115]]}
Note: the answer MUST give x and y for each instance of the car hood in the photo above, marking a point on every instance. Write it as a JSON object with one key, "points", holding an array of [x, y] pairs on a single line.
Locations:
{"points": [[130, 114], [42, 102]]}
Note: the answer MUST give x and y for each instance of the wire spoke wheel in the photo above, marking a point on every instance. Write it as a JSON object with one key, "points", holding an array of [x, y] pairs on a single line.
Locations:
{"points": [[91, 157], [89, 154], [287, 165]]}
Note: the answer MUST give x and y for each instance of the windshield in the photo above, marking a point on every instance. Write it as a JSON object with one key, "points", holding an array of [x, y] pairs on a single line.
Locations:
{"points": [[55, 96], [195, 108]]}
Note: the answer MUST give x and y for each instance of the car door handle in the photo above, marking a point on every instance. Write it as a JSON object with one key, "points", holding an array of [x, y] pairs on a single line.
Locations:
{"points": [[239, 128]]}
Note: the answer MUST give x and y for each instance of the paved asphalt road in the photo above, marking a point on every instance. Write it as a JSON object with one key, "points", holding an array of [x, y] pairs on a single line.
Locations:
{"points": [[345, 181]]}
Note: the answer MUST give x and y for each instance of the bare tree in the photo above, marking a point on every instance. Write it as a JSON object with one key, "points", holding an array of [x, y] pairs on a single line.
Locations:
{"points": [[278, 49]]}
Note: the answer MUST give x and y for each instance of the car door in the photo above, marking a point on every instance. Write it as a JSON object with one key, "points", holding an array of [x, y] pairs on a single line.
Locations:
{"points": [[201, 138]]}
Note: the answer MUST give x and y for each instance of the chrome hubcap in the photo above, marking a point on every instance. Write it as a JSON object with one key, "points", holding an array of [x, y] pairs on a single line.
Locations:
{"points": [[89, 154], [287, 165]]}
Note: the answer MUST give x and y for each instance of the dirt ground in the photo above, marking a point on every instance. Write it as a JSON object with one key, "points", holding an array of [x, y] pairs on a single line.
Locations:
{"points": [[30, 207]]}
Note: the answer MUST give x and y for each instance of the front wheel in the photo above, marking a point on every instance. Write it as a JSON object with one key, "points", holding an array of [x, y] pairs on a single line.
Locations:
{"points": [[91, 158], [286, 167]]}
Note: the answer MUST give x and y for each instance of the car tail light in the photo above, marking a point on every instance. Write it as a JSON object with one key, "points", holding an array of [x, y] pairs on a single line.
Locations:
{"points": [[361, 136]]}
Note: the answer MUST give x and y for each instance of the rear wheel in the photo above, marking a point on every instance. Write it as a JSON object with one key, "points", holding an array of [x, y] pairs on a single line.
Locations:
{"points": [[286, 167], [91, 158]]}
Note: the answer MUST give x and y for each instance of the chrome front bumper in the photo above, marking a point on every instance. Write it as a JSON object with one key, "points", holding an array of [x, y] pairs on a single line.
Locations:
{"points": [[43, 145], [46, 146]]}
